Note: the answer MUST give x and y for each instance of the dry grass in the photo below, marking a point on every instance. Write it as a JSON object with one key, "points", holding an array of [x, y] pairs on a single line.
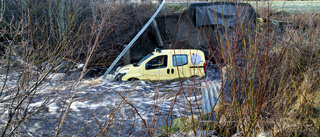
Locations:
{"points": [[273, 75], [283, 98]]}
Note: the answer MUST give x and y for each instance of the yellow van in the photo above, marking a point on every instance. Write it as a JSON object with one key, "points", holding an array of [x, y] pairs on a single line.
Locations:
{"points": [[165, 65]]}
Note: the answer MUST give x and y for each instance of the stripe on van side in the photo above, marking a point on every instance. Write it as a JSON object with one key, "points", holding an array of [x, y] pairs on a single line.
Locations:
{"points": [[196, 67]]}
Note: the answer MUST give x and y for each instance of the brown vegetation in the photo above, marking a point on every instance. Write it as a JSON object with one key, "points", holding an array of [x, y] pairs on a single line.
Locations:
{"points": [[277, 83], [274, 68]]}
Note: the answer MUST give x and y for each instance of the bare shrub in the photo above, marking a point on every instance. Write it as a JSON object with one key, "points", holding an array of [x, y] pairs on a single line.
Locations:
{"points": [[273, 74], [275, 87]]}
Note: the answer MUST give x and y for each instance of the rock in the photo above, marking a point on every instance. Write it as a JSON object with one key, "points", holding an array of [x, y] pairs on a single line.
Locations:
{"points": [[79, 66], [63, 67], [263, 134], [56, 76], [2, 50], [96, 72], [237, 135], [110, 77]]}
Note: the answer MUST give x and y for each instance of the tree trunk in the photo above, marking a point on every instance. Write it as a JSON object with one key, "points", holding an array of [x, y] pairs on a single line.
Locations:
{"points": [[62, 18], [2, 8], [32, 38], [93, 10], [51, 32]]}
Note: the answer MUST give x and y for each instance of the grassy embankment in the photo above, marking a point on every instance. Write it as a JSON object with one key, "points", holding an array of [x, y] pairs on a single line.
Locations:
{"points": [[289, 6]]}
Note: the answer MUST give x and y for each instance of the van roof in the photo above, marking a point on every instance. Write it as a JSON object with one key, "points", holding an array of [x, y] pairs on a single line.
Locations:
{"points": [[179, 51]]}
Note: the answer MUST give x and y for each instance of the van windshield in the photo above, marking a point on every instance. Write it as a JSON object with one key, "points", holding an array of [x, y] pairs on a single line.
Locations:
{"points": [[143, 59]]}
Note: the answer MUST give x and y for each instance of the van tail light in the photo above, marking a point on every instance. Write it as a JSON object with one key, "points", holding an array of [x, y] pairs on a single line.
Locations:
{"points": [[205, 67]]}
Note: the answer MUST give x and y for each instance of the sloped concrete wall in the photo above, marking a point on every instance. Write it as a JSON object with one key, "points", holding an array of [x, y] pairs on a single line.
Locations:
{"points": [[178, 32]]}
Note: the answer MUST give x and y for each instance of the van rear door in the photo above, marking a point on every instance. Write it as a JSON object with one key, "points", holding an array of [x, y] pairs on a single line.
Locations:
{"points": [[197, 65]]}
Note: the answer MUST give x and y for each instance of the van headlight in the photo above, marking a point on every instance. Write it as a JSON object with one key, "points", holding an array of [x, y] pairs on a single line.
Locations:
{"points": [[124, 71]]}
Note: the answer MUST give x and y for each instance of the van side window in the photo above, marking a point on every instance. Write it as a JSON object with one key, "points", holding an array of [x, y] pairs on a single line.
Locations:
{"points": [[157, 62], [180, 60]]}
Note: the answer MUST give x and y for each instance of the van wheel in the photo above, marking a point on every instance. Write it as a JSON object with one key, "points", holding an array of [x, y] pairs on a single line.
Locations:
{"points": [[195, 77], [133, 79], [118, 77]]}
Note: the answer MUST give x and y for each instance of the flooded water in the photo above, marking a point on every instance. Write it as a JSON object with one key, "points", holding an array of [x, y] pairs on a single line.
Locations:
{"points": [[111, 108]]}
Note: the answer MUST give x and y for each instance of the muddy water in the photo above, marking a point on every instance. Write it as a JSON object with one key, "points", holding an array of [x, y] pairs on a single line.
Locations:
{"points": [[117, 108]]}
